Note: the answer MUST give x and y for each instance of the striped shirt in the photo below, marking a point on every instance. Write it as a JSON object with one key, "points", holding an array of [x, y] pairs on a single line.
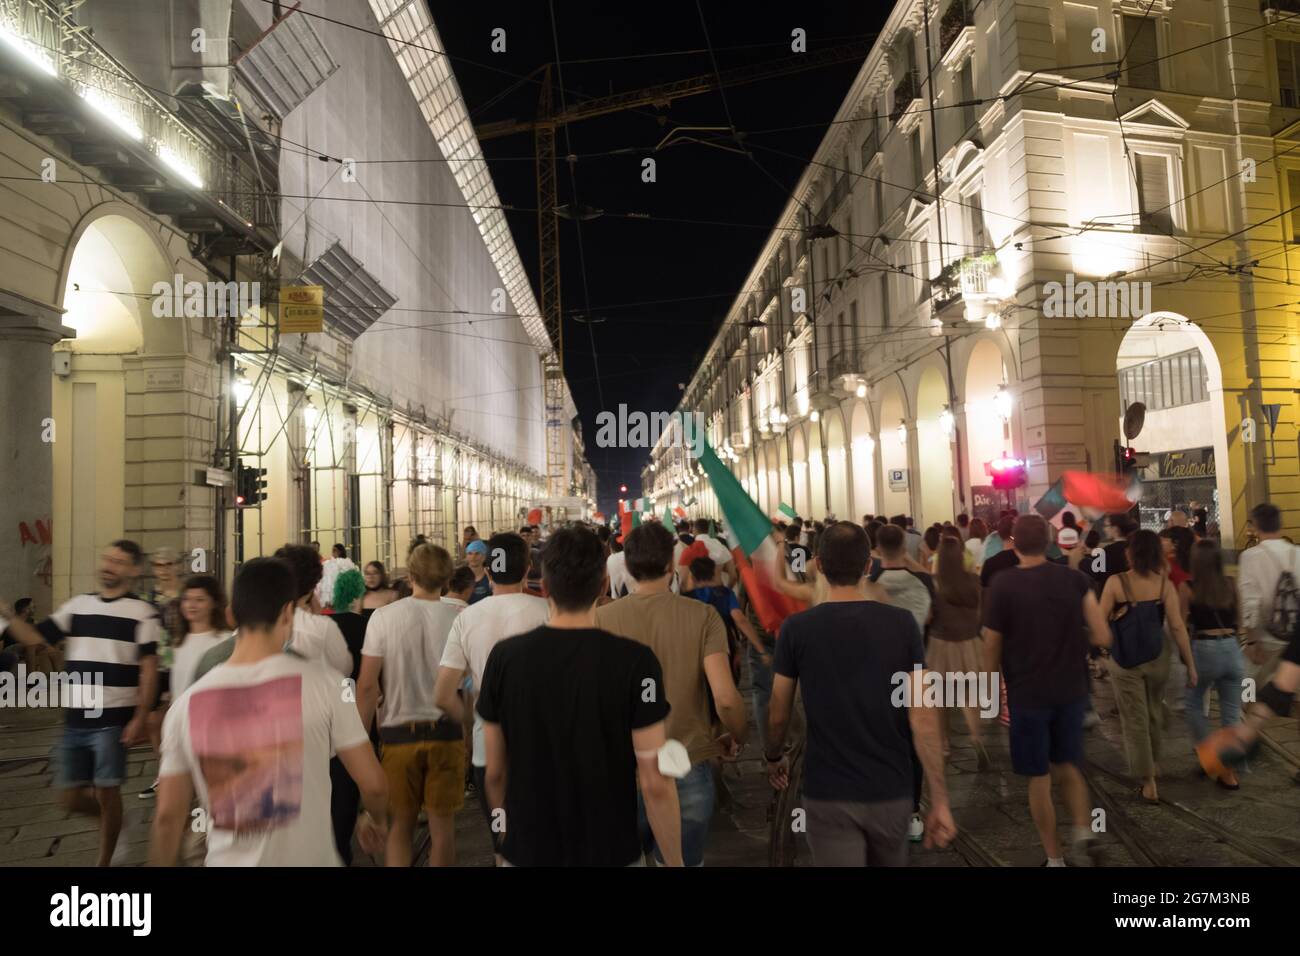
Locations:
{"points": [[106, 640]]}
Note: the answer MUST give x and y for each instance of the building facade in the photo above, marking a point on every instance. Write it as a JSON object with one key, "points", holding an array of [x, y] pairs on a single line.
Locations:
{"points": [[1025, 217], [167, 174]]}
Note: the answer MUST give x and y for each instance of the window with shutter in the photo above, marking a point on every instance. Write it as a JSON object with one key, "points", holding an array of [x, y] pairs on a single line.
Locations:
{"points": [[1141, 65], [1154, 207]]}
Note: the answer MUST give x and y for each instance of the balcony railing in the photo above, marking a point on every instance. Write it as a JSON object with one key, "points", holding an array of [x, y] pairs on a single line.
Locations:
{"points": [[905, 92], [847, 362], [56, 44], [1274, 10], [955, 19]]}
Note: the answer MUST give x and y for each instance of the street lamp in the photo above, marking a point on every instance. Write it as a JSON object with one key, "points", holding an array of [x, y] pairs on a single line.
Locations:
{"points": [[1002, 403], [946, 421]]}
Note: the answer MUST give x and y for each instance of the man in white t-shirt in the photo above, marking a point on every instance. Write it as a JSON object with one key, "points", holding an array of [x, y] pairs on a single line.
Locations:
{"points": [[717, 551], [509, 611], [1258, 571], [315, 636], [424, 748], [620, 582], [254, 737]]}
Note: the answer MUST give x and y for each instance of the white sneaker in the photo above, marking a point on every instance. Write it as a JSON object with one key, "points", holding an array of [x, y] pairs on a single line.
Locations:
{"points": [[916, 828], [149, 792]]}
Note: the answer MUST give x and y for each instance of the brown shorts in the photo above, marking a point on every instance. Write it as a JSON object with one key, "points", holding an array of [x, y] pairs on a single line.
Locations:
{"points": [[427, 773]]}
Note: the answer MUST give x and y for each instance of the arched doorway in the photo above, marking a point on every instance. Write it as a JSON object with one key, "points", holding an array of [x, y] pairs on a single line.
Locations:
{"points": [[837, 460], [934, 450], [987, 434], [110, 276], [1170, 365], [893, 454], [864, 462]]}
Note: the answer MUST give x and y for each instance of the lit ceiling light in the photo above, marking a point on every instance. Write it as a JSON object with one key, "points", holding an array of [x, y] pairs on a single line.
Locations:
{"points": [[112, 112], [242, 389], [902, 433], [993, 321], [946, 421], [311, 415], [816, 416], [861, 390]]}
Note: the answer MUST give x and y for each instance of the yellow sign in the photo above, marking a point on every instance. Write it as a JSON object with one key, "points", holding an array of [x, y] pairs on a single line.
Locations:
{"points": [[302, 309]]}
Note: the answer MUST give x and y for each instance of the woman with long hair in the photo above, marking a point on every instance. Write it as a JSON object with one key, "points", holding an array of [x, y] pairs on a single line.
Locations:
{"points": [[955, 643], [1139, 675], [1211, 600], [203, 627], [378, 591]]}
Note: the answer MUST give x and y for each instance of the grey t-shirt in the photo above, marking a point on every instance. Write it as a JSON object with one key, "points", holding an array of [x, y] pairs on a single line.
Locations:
{"points": [[911, 590]]}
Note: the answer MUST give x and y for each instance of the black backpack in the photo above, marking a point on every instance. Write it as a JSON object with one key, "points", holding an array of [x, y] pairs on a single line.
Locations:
{"points": [[1140, 631]]}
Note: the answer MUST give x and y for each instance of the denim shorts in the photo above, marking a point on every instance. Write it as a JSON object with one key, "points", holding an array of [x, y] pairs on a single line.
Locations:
{"points": [[1041, 736], [695, 796], [90, 756]]}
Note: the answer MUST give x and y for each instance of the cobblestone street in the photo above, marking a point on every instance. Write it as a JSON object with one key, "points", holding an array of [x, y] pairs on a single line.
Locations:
{"points": [[1197, 823]]}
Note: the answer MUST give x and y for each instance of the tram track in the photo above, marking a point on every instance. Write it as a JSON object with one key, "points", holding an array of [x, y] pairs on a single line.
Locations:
{"points": [[1129, 832]]}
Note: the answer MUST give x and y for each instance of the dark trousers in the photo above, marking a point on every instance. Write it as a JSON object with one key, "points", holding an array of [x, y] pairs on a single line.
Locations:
{"points": [[345, 802]]}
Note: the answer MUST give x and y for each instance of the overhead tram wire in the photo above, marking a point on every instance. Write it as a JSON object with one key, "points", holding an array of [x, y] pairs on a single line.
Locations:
{"points": [[577, 205]]}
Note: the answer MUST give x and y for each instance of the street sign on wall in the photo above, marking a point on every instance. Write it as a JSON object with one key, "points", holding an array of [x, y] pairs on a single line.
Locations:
{"points": [[302, 309]]}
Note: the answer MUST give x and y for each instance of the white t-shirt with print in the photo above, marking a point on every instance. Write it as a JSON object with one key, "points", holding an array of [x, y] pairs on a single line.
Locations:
{"points": [[480, 628], [257, 739], [410, 635]]}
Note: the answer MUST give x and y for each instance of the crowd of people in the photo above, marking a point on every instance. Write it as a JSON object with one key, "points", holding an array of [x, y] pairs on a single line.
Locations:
{"points": [[585, 691]]}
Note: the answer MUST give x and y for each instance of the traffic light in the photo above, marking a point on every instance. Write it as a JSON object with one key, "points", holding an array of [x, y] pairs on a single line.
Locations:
{"points": [[1007, 472], [250, 486], [1127, 460]]}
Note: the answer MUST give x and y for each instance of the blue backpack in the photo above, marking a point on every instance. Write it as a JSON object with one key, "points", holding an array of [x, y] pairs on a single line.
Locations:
{"points": [[1140, 631]]}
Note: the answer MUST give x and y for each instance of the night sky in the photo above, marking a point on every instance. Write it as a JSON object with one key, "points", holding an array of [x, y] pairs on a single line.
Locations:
{"points": [[646, 344]]}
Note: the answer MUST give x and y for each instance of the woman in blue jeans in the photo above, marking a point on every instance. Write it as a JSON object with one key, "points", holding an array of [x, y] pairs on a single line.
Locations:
{"points": [[1211, 600]]}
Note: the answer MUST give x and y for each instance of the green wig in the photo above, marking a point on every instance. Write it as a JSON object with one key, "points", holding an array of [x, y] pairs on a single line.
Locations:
{"points": [[348, 586]]}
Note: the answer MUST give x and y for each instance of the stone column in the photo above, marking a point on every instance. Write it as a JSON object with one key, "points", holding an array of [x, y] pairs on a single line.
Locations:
{"points": [[28, 330]]}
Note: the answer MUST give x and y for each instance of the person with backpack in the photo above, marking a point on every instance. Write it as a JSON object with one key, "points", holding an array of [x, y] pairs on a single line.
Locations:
{"points": [[1211, 601], [703, 584], [1141, 603], [1268, 583]]}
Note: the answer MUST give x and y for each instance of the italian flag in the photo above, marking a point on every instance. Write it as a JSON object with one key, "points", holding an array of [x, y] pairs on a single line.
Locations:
{"points": [[786, 510], [680, 512], [757, 557]]}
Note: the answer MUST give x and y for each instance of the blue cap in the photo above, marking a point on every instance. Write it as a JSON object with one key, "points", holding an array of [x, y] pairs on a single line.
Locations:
{"points": [[479, 547]]}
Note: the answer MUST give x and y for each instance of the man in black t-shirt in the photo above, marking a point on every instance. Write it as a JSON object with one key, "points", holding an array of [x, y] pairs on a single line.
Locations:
{"points": [[1006, 558], [861, 666], [1037, 616], [573, 717]]}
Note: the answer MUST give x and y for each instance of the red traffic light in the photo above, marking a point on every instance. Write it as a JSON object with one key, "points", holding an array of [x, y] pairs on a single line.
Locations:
{"points": [[1007, 472], [623, 488]]}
